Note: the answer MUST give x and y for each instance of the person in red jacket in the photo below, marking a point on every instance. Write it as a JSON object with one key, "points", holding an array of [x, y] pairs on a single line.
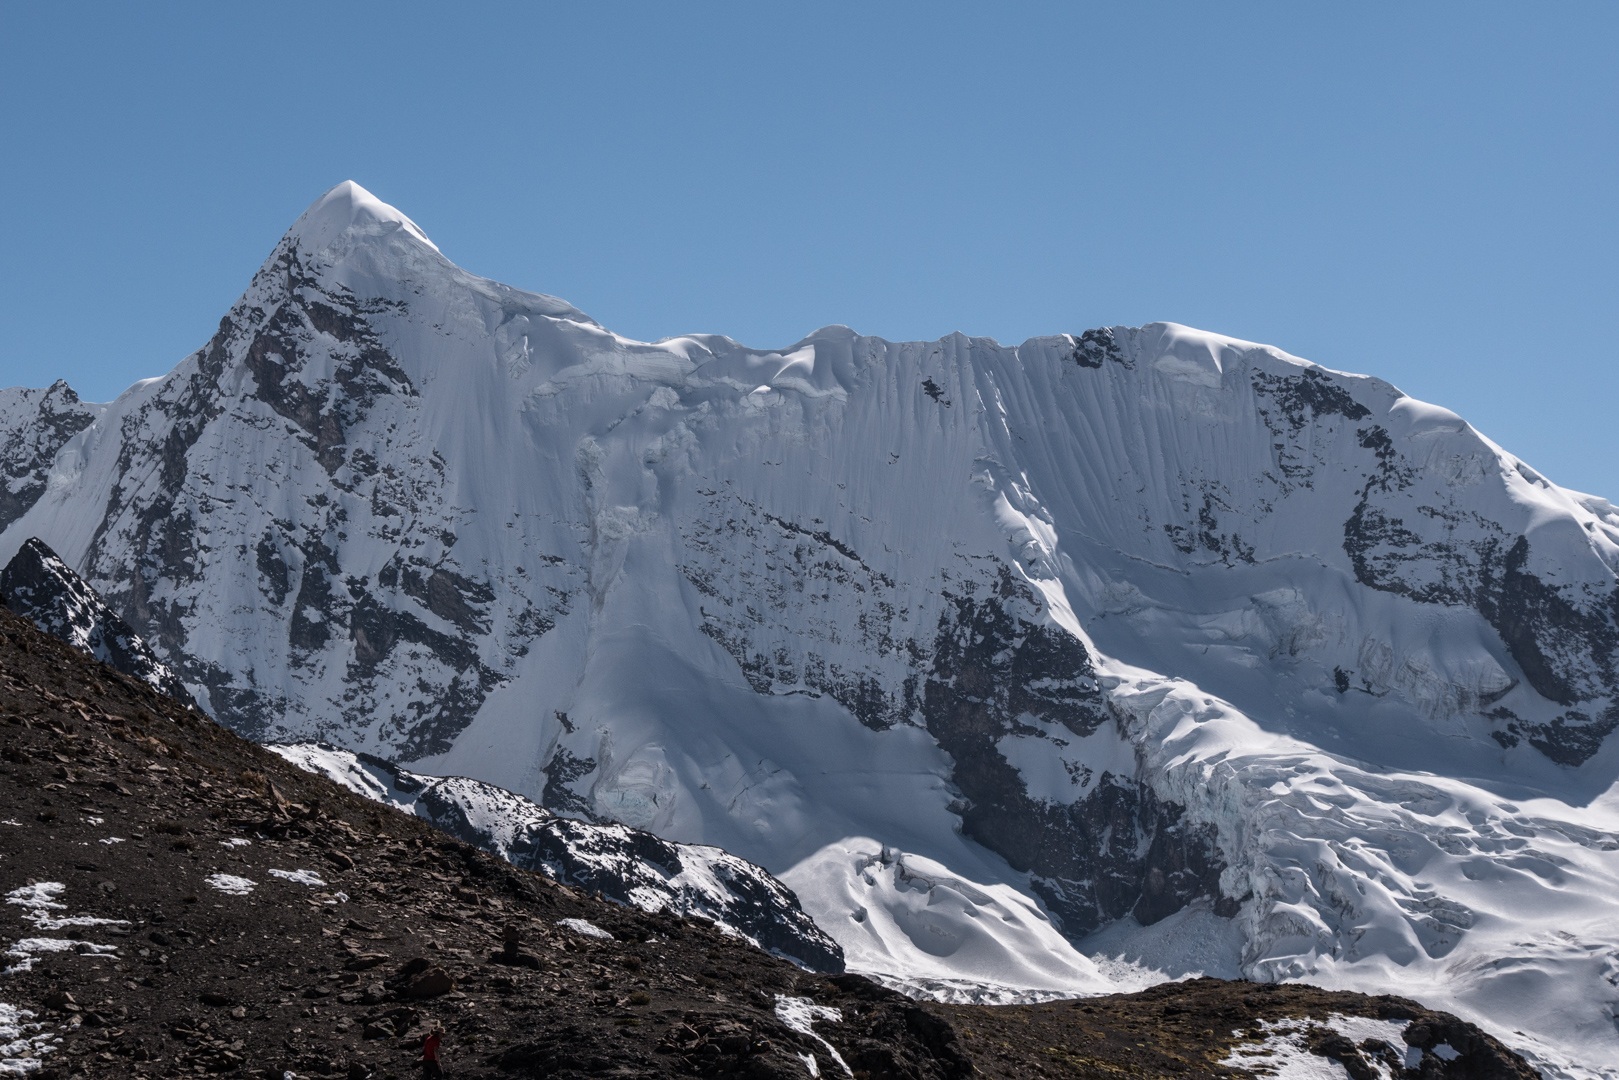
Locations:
{"points": [[430, 1065]]}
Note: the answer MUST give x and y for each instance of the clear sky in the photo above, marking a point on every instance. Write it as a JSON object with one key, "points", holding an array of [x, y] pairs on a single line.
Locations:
{"points": [[1423, 192]]}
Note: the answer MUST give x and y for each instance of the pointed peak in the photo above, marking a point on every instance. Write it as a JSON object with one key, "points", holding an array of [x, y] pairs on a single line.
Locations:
{"points": [[350, 206]]}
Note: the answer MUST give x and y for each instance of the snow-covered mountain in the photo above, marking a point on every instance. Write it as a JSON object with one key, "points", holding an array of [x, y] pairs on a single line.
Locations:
{"points": [[1202, 655]]}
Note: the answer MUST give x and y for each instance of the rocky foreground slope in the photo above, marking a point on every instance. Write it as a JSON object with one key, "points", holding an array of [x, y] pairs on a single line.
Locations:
{"points": [[179, 901]]}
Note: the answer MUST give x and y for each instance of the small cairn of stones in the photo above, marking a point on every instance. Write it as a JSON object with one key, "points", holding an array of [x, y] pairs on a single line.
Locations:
{"points": [[512, 953]]}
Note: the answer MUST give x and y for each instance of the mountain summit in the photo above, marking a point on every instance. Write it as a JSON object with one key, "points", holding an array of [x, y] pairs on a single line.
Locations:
{"points": [[1032, 670], [349, 207]]}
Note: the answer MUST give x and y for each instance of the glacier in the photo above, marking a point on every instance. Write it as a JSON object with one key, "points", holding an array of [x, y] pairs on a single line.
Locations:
{"points": [[1110, 656]]}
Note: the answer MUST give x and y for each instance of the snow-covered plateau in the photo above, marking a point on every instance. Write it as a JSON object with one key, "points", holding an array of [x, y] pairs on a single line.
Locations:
{"points": [[1103, 658]]}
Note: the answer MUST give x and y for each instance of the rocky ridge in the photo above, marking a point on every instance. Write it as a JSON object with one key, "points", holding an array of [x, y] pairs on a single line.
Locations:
{"points": [[40, 587], [627, 866]]}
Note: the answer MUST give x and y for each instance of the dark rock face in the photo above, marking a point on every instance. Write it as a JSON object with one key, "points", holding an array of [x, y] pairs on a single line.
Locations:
{"points": [[1291, 402], [1566, 653], [781, 572], [53, 416], [1563, 637], [1096, 346], [39, 586], [563, 769], [993, 663], [365, 370], [299, 358], [1296, 400], [625, 865]]}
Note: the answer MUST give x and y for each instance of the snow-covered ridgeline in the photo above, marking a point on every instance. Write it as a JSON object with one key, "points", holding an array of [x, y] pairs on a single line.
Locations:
{"points": [[1002, 609], [625, 865], [39, 586]]}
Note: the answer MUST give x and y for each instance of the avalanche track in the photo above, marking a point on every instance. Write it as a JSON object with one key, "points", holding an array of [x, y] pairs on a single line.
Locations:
{"points": [[1033, 670]]}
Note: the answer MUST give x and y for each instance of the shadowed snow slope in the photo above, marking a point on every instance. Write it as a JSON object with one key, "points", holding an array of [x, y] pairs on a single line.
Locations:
{"points": [[1132, 623]]}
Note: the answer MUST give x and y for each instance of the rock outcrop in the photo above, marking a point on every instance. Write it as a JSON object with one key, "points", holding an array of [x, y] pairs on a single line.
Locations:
{"points": [[39, 586]]}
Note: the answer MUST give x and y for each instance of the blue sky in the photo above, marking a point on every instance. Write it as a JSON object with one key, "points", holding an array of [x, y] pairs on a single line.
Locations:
{"points": [[1421, 192]]}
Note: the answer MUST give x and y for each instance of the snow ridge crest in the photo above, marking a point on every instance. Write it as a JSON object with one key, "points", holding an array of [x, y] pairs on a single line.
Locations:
{"points": [[39, 586]]}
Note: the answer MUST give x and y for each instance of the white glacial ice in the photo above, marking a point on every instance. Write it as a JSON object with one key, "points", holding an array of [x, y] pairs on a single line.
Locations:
{"points": [[910, 922]]}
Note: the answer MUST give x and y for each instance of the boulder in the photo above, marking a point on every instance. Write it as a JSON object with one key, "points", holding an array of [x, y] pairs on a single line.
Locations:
{"points": [[430, 983]]}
